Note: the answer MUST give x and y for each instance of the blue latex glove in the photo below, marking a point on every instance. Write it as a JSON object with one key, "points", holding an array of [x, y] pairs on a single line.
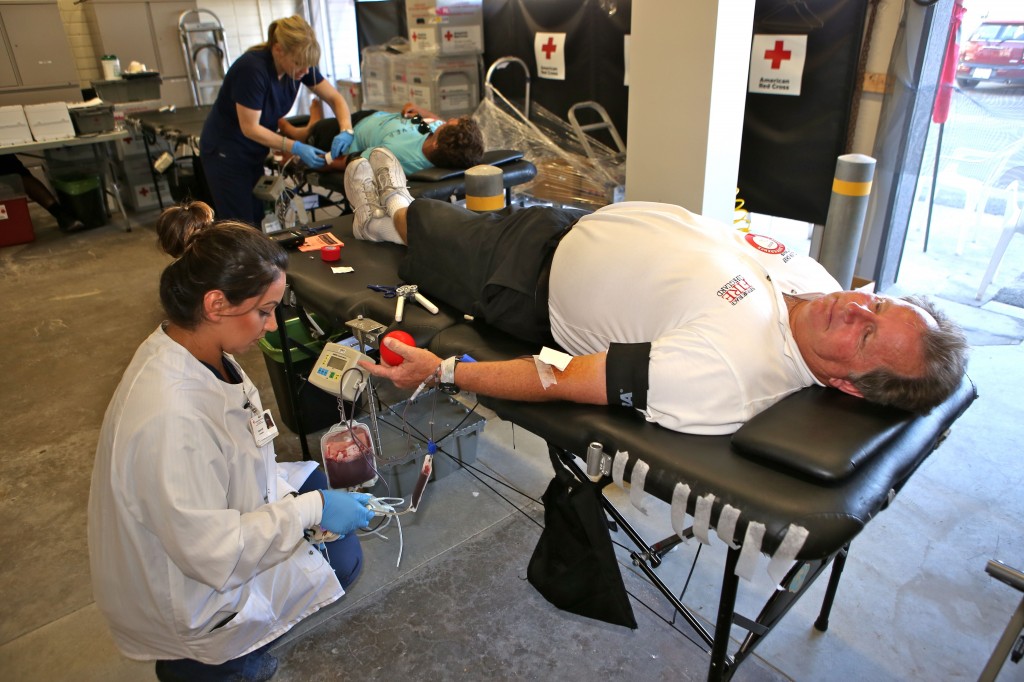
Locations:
{"points": [[311, 156], [342, 141], [344, 512]]}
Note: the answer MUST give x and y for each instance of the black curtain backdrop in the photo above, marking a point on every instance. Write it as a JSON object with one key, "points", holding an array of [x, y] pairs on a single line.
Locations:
{"points": [[790, 144], [378, 21], [594, 54]]}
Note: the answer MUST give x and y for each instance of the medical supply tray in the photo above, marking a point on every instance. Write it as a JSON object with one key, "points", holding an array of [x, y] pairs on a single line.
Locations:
{"points": [[98, 118]]}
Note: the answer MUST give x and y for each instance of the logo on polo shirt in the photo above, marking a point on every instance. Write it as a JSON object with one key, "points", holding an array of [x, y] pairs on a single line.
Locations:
{"points": [[735, 290], [764, 244], [626, 399]]}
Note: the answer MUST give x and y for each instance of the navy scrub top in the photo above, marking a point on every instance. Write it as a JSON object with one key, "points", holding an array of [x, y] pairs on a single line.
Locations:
{"points": [[252, 82]]}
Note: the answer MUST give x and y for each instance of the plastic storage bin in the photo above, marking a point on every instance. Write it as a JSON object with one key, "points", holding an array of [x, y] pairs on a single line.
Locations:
{"points": [[401, 451], [83, 196], [135, 89], [319, 408], [95, 119], [15, 222]]}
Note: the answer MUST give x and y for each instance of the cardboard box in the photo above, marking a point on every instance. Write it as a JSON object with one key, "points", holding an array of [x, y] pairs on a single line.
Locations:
{"points": [[50, 121], [141, 195], [447, 40], [447, 86], [378, 67], [14, 126], [15, 222], [445, 27]]}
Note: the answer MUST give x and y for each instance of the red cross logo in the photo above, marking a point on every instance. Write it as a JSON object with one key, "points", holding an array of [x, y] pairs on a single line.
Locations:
{"points": [[548, 48], [448, 36], [144, 191], [777, 55]]}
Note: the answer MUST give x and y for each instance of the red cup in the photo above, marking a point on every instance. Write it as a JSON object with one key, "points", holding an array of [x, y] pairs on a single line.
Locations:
{"points": [[330, 253]]}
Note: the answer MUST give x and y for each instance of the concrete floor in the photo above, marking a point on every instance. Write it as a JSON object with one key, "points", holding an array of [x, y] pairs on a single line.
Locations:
{"points": [[914, 603]]}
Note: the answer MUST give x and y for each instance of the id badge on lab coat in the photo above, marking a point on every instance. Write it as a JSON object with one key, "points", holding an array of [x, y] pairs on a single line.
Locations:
{"points": [[263, 428]]}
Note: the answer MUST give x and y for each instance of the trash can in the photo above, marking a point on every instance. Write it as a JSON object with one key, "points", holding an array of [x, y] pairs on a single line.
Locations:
{"points": [[319, 408], [83, 197]]}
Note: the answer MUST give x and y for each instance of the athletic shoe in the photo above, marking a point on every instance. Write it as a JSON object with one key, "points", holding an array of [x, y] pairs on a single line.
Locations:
{"points": [[371, 222], [390, 180]]}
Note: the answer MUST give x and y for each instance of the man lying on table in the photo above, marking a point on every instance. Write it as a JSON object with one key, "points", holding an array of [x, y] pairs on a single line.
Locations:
{"points": [[695, 324]]}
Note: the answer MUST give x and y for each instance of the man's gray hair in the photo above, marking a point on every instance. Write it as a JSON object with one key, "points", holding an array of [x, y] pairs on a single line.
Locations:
{"points": [[944, 353]]}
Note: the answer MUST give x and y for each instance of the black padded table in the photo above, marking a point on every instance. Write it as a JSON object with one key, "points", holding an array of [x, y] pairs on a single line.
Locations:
{"points": [[444, 183], [779, 469], [184, 124]]}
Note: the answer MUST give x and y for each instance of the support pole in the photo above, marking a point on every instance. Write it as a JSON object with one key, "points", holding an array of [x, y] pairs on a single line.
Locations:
{"points": [[840, 242]]}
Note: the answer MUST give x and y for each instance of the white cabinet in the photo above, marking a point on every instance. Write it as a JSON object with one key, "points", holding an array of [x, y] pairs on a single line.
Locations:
{"points": [[36, 62], [145, 31]]}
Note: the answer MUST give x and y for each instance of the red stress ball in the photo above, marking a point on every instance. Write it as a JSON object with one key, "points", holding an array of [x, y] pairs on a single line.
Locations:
{"points": [[391, 357]]}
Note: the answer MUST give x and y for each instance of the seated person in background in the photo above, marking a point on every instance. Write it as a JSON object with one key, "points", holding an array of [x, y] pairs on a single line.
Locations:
{"points": [[697, 325], [417, 138], [37, 192]]}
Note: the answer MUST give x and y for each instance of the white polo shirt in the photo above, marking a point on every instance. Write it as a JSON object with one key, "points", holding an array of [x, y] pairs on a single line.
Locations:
{"points": [[707, 297]]}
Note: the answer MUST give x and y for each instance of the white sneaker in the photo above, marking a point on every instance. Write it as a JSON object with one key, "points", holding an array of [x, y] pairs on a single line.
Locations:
{"points": [[390, 179], [371, 222]]}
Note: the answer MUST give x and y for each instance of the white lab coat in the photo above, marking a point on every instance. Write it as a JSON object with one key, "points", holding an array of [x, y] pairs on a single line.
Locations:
{"points": [[187, 523]]}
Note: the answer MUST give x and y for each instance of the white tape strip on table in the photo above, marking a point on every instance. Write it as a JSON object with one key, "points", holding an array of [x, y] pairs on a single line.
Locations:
{"points": [[747, 562], [680, 496], [636, 484], [726, 526], [790, 546], [702, 518], [619, 468]]}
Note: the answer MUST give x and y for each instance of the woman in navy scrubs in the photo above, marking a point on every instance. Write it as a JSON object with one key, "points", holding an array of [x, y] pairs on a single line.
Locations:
{"points": [[259, 88]]}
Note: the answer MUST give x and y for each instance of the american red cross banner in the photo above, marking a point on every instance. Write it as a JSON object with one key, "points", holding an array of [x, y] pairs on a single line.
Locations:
{"points": [[549, 51], [777, 64]]}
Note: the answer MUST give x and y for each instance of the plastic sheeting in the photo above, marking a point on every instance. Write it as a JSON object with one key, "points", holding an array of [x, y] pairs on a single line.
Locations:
{"points": [[566, 175]]}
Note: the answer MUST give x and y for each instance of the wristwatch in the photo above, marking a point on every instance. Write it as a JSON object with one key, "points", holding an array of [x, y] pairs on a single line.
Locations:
{"points": [[446, 382]]}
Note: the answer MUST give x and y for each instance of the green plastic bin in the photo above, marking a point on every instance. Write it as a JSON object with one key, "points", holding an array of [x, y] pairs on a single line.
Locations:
{"points": [[83, 197], [319, 408]]}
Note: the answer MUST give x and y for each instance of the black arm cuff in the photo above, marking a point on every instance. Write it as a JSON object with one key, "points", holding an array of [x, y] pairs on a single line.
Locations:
{"points": [[626, 374]]}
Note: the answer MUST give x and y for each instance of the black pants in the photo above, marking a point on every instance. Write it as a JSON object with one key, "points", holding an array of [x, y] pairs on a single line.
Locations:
{"points": [[493, 266]]}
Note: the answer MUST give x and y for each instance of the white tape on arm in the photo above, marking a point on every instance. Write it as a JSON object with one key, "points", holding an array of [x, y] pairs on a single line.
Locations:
{"points": [[680, 496], [636, 484], [548, 358], [544, 371], [747, 562], [790, 546]]}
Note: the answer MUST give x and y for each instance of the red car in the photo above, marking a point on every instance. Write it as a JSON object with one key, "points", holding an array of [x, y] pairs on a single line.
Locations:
{"points": [[993, 54]]}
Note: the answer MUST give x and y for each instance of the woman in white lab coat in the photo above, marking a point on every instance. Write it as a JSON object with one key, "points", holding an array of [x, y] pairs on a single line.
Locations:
{"points": [[196, 533]]}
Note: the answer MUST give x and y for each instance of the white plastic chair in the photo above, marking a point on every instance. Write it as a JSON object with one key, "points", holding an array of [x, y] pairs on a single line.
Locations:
{"points": [[1013, 222]]}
